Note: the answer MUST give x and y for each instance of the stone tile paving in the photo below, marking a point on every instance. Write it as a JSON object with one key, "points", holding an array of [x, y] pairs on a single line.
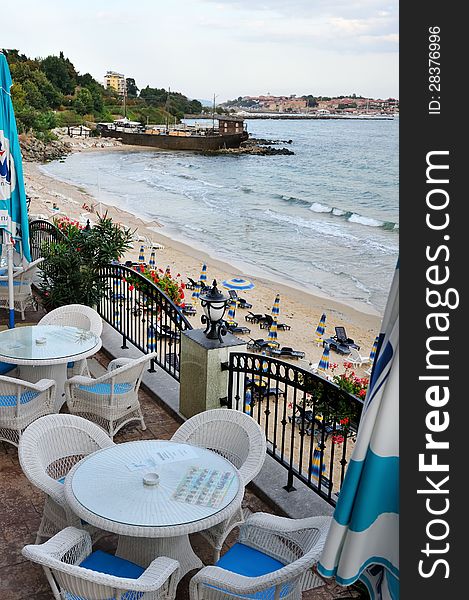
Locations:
{"points": [[21, 508]]}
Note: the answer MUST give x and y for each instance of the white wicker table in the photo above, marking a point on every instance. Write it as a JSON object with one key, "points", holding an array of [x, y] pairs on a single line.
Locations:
{"points": [[107, 489], [43, 351]]}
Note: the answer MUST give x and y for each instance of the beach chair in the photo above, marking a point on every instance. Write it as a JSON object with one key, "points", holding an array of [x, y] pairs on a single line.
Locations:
{"points": [[287, 352], [188, 309], [266, 323], [340, 343], [235, 328], [241, 302], [357, 359], [253, 317], [191, 284], [261, 344]]}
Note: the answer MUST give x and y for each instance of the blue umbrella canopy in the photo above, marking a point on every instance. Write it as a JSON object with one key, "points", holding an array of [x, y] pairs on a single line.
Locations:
{"points": [[238, 283], [321, 326], [373, 349], [324, 362], [315, 469], [231, 311], [141, 256], [276, 307], [203, 274], [14, 227], [363, 540]]}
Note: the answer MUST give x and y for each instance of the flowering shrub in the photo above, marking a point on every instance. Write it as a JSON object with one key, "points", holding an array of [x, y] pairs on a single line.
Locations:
{"points": [[67, 225], [349, 382], [173, 287]]}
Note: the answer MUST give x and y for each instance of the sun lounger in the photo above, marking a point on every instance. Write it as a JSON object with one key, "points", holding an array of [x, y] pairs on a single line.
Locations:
{"points": [[287, 352], [340, 343], [241, 302], [267, 320], [235, 328], [261, 344], [253, 318], [188, 309]]}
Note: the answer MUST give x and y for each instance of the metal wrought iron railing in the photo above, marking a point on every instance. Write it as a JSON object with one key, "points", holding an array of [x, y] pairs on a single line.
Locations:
{"points": [[144, 316], [42, 233], [309, 422]]}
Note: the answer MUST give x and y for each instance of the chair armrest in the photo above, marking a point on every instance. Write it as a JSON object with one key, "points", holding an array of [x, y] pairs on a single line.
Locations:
{"points": [[59, 546], [275, 523], [80, 380], [119, 362], [157, 573]]}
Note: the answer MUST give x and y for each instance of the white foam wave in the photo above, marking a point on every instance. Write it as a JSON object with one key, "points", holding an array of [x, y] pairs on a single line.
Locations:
{"points": [[320, 208], [337, 212], [355, 218]]}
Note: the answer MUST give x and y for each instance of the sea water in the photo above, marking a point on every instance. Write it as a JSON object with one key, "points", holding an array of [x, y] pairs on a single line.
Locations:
{"points": [[325, 218]]}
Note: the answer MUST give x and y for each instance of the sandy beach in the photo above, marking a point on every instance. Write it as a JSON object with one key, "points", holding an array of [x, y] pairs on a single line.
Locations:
{"points": [[298, 308]]}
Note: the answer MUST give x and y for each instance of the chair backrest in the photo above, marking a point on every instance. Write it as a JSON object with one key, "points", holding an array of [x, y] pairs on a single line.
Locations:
{"points": [[340, 334], [27, 275], [231, 433], [233, 294], [130, 372], [75, 315], [53, 444]]}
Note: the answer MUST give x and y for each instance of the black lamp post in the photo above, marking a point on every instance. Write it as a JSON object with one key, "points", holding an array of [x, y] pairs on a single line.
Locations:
{"points": [[214, 304]]}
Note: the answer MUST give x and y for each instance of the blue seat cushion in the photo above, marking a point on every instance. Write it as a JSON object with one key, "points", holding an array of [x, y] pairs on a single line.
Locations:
{"points": [[70, 365], [105, 388], [247, 561], [10, 400], [6, 368], [102, 562]]}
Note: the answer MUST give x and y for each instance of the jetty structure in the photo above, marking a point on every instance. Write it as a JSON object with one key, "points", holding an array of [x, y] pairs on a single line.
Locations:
{"points": [[224, 132]]}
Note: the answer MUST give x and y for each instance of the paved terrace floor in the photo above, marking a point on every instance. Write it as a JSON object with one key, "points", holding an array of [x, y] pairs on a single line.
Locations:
{"points": [[21, 507]]}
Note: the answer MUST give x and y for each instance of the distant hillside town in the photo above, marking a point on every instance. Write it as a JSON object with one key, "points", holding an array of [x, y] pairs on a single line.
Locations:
{"points": [[320, 105]]}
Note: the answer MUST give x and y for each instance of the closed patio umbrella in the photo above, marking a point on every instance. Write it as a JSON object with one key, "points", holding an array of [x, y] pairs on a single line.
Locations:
{"points": [[321, 328], [363, 541], [14, 227], [141, 256], [272, 337], [276, 307], [315, 469], [152, 261], [232, 311], [324, 362], [203, 275], [373, 349]]}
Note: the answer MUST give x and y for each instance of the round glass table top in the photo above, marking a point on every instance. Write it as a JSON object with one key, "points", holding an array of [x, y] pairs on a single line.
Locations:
{"points": [[154, 483], [45, 342]]}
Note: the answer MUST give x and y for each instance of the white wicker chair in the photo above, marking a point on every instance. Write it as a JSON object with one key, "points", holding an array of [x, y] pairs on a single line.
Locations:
{"points": [[75, 315], [21, 403], [357, 359], [62, 555], [111, 400], [273, 558], [47, 451], [22, 279], [237, 437]]}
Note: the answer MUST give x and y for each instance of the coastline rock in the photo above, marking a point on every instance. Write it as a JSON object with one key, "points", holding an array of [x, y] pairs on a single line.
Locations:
{"points": [[263, 142], [252, 149], [34, 150]]}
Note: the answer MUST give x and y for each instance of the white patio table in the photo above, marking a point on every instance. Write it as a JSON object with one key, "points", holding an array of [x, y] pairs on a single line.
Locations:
{"points": [[114, 489], [43, 351]]}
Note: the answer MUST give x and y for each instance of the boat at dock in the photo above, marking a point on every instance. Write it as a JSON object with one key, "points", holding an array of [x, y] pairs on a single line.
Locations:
{"points": [[228, 132]]}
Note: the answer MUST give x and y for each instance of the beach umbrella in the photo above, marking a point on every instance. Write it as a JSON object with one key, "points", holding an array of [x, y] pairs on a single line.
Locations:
{"points": [[152, 261], [276, 307], [316, 470], [272, 337], [237, 283], [117, 316], [151, 343], [321, 328], [363, 540], [14, 227], [324, 362], [231, 311], [203, 275], [141, 256], [373, 349]]}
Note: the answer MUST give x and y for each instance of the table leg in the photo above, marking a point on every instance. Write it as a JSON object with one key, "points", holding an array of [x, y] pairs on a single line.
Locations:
{"points": [[143, 550], [56, 372]]}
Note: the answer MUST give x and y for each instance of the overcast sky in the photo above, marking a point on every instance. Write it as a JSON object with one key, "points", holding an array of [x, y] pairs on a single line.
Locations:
{"points": [[229, 48]]}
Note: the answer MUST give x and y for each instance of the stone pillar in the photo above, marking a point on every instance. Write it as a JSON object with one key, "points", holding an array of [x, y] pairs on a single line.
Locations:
{"points": [[202, 380]]}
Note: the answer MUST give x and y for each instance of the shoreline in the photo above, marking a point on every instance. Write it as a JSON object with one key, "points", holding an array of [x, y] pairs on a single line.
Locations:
{"points": [[300, 308]]}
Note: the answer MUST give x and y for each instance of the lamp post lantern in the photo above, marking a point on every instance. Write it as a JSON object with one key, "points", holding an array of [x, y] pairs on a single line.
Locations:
{"points": [[214, 305]]}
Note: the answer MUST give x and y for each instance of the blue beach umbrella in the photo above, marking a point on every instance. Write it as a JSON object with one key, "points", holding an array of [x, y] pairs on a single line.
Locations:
{"points": [[152, 261], [203, 275], [315, 468], [272, 337], [321, 328], [238, 283], [276, 307], [373, 349], [141, 256], [14, 227], [231, 311], [363, 540], [151, 343], [324, 362]]}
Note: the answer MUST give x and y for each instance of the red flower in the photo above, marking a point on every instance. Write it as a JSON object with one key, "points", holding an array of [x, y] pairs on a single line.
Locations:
{"points": [[344, 421], [131, 288], [362, 393]]}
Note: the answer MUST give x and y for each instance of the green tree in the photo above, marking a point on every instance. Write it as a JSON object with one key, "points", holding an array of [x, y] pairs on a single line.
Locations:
{"points": [[83, 102], [58, 73], [132, 89]]}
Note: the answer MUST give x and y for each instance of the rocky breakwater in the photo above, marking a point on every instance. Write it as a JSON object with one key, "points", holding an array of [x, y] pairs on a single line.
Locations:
{"points": [[35, 150], [256, 146]]}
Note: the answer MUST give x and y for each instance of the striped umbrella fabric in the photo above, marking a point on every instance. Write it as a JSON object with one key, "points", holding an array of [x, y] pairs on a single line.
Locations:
{"points": [[276, 307], [231, 311], [272, 337], [315, 469], [238, 283], [151, 342], [373, 349], [363, 540], [141, 255], [203, 275], [14, 226], [321, 327], [117, 316], [152, 261], [196, 292], [324, 362]]}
